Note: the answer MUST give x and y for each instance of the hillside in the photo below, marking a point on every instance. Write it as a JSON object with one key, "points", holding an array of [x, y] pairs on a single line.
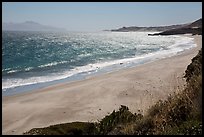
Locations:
{"points": [[193, 28], [158, 28]]}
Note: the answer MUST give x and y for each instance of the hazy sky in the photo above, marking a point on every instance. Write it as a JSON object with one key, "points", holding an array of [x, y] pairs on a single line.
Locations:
{"points": [[96, 16]]}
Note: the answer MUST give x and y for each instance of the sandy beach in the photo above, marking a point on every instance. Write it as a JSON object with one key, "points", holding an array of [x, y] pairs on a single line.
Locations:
{"points": [[91, 99]]}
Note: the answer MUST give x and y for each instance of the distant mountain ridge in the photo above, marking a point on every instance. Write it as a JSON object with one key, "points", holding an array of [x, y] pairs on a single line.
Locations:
{"points": [[29, 26]]}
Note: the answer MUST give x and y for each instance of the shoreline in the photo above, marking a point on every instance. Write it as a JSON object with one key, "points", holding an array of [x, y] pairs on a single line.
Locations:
{"points": [[122, 64], [91, 99]]}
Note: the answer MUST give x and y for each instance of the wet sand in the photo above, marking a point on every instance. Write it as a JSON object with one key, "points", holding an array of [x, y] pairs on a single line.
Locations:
{"points": [[93, 98]]}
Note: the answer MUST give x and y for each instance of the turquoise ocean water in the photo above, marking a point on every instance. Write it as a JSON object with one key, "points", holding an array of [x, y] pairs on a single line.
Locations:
{"points": [[32, 60]]}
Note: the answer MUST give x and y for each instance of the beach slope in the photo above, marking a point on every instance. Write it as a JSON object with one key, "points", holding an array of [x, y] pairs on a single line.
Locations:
{"points": [[91, 99]]}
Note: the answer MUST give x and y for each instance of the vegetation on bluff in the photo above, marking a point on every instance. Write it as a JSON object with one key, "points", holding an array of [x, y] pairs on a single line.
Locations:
{"points": [[180, 114]]}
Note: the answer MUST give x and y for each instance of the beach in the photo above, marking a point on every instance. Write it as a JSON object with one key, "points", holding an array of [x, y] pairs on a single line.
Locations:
{"points": [[95, 97]]}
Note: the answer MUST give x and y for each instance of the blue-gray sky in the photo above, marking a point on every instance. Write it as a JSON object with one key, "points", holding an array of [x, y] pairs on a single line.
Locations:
{"points": [[96, 16]]}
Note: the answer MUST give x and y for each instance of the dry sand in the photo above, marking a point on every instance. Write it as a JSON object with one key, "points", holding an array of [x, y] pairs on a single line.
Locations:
{"points": [[91, 99]]}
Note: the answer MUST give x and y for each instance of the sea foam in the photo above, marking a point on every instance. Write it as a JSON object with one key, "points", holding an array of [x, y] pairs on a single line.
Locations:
{"points": [[144, 49]]}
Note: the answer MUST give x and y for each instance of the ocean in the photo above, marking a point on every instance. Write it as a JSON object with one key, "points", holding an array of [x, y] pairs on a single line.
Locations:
{"points": [[32, 60]]}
